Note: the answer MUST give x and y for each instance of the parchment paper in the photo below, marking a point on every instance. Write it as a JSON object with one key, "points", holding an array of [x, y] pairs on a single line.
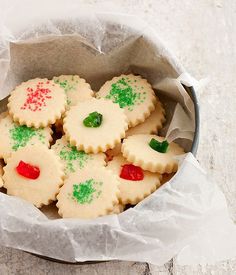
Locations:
{"points": [[67, 38]]}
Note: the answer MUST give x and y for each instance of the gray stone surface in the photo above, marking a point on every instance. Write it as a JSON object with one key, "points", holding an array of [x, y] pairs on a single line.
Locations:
{"points": [[202, 35]]}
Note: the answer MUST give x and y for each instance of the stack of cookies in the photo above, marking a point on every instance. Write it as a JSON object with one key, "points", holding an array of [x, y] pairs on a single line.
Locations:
{"points": [[93, 153]]}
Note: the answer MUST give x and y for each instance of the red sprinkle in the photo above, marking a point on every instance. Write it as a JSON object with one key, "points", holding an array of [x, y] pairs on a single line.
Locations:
{"points": [[36, 99], [131, 172], [27, 170]]}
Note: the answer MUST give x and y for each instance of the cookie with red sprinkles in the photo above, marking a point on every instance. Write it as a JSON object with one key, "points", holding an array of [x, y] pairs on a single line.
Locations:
{"points": [[37, 103]]}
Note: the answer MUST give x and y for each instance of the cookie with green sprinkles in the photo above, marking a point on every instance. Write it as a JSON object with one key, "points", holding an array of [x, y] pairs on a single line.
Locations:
{"points": [[152, 153], [14, 136], [133, 94], [74, 160], [75, 87], [88, 194]]}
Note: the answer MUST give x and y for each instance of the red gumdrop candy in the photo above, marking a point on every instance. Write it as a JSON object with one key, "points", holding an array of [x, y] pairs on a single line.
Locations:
{"points": [[27, 170], [131, 172]]}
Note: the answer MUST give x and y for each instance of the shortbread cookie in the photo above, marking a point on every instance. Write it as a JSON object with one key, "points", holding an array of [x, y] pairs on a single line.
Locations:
{"points": [[89, 193], [95, 125], [152, 124], [133, 94], [76, 88], [1, 173], [34, 173], [14, 136], [37, 103], [137, 150], [135, 183], [74, 160]]}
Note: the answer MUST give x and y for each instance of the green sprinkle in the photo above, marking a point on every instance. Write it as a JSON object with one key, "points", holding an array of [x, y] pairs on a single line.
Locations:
{"points": [[123, 94], [21, 135], [93, 120], [86, 192], [158, 146], [73, 158]]}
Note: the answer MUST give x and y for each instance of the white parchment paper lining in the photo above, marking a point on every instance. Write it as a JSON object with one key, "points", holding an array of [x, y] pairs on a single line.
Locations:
{"points": [[188, 215]]}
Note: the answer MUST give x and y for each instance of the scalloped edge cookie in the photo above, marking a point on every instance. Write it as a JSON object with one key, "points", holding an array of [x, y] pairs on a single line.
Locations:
{"points": [[132, 192], [136, 149], [37, 103], [138, 105], [87, 194], [39, 191], [102, 138]]}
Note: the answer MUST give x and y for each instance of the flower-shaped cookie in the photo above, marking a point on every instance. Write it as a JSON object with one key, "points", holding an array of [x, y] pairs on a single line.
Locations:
{"points": [[37, 103], [95, 125], [133, 94], [35, 174], [135, 184], [89, 193], [152, 153], [14, 136]]}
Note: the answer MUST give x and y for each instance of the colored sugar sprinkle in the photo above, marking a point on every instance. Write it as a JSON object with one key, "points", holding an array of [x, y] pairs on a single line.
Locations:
{"points": [[67, 86], [36, 99], [72, 156], [86, 192], [21, 135], [123, 94]]}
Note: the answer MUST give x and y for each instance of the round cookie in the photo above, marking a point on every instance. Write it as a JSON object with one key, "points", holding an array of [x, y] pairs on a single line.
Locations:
{"points": [[152, 124], [35, 174], [37, 103], [95, 125], [137, 150], [74, 160], [14, 136], [133, 191], [76, 88], [89, 193], [133, 94]]}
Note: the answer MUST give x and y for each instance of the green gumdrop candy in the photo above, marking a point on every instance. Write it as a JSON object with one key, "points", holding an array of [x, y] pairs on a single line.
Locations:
{"points": [[93, 120], [160, 147]]}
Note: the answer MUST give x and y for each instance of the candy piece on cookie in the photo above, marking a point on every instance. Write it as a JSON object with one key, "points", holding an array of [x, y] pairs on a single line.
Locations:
{"points": [[133, 94], [135, 183], [89, 193], [1, 173], [14, 136], [74, 160], [152, 124], [95, 125], [35, 174], [37, 103], [76, 88], [152, 153]]}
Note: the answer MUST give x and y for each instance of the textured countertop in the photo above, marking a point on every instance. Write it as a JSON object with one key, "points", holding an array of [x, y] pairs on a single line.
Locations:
{"points": [[202, 35]]}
